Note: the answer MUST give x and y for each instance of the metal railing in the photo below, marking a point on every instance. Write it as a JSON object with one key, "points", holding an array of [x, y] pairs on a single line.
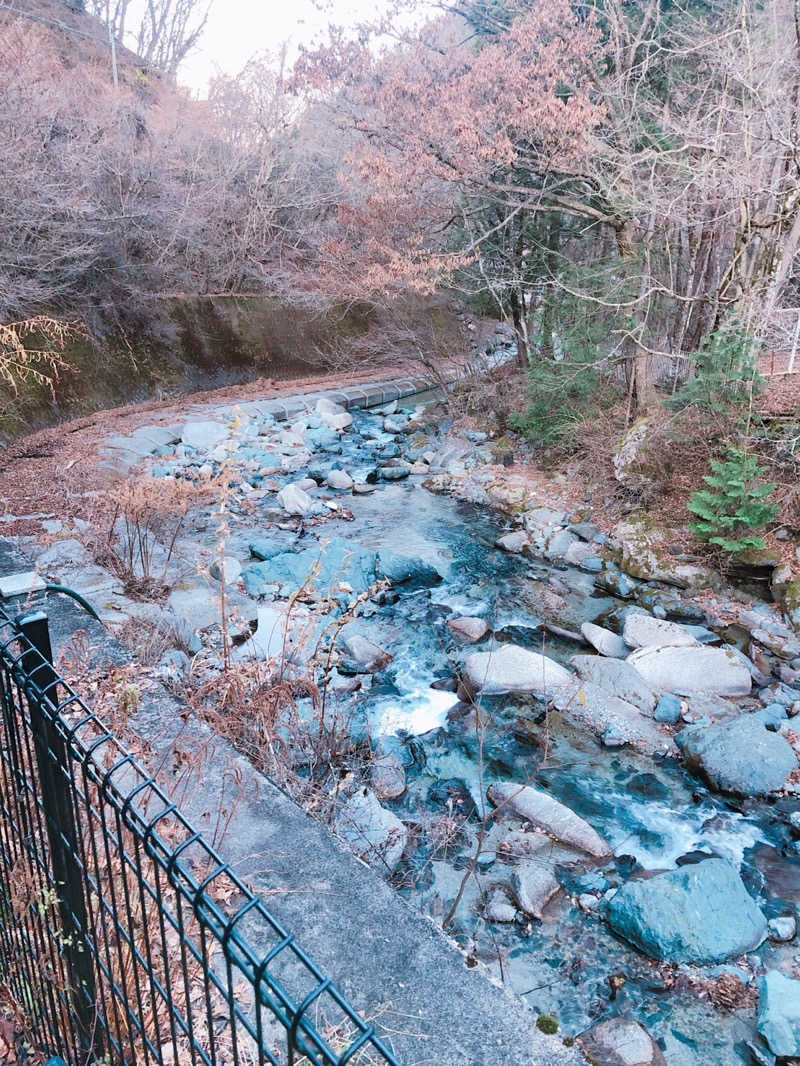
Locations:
{"points": [[124, 937]]}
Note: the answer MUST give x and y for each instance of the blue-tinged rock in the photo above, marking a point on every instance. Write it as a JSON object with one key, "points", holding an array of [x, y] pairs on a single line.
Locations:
{"points": [[159, 470], [267, 547], [780, 693], [699, 913], [257, 577], [593, 564], [773, 716], [615, 582], [325, 569], [476, 436], [406, 570], [739, 756], [779, 1013], [668, 710], [322, 437]]}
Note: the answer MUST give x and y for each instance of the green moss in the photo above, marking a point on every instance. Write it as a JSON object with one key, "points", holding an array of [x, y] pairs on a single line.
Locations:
{"points": [[547, 1024]]}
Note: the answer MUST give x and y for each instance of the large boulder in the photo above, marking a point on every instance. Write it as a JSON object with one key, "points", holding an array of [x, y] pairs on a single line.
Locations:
{"points": [[699, 913], [374, 833], [619, 677], [739, 756], [546, 813], [644, 556], [644, 631], [621, 1042], [689, 670], [334, 568], [779, 1013], [614, 720], [511, 668], [405, 569]]}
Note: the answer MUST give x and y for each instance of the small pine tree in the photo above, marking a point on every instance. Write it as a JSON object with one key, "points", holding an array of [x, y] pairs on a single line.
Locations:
{"points": [[734, 504], [726, 375]]}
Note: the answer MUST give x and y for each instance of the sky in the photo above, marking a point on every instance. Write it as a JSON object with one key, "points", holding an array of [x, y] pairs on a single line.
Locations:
{"points": [[238, 29]]}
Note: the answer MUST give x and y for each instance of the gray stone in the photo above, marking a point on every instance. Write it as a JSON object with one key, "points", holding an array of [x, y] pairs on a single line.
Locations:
{"points": [[783, 929], [689, 670], [498, 908], [739, 756], [387, 777], [644, 631], [779, 1013], [469, 629], [340, 480], [621, 1042], [374, 833], [619, 677], [534, 885], [542, 521], [606, 642], [511, 668], [295, 500], [698, 913], [228, 568], [546, 813], [393, 473], [514, 542], [613, 719], [361, 656], [204, 436]]}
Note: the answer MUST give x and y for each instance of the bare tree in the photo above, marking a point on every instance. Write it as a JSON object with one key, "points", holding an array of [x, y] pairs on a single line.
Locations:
{"points": [[162, 32]]}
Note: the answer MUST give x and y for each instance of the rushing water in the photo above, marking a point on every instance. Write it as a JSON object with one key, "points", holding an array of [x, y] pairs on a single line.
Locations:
{"points": [[651, 810]]}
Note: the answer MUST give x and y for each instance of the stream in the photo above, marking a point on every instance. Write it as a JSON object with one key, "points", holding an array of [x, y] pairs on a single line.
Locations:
{"points": [[656, 816]]}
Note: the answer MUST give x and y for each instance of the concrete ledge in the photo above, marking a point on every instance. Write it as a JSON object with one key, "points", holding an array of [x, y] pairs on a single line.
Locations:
{"points": [[395, 965]]}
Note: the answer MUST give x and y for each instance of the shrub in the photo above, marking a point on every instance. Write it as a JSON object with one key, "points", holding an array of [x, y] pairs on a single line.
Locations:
{"points": [[734, 505]]}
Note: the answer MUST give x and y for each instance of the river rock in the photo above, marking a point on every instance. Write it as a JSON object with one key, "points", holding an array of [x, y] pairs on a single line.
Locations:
{"points": [[361, 656], [534, 885], [543, 521], [614, 720], [405, 569], [295, 500], [687, 670], [388, 777], [340, 479], [337, 420], [374, 833], [644, 631], [393, 473], [514, 542], [619, 677], [740, 756], [644, 556], [511, 668], [226, 569], [606, 642], [204, 436], [699, 913], [470, 629], [779, 1013], [498, 908], [546, 813], [621, 1042]]}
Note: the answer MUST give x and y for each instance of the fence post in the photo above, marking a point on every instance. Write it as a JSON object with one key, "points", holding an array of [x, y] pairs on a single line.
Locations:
{"points": [[52, 756]]}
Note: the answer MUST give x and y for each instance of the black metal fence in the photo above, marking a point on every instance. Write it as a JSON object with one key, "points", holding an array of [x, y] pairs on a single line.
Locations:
{"points": [[124, 937]]}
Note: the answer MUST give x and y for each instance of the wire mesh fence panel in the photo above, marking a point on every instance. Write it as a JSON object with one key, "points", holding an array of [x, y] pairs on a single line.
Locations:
{"points": [[124, 937]]}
